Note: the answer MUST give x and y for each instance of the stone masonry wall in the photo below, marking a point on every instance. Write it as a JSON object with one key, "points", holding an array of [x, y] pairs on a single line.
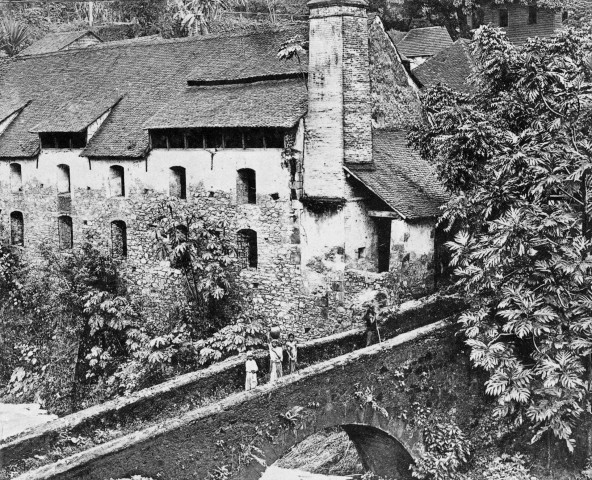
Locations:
{"points": [[357, 124], [279, 290]]}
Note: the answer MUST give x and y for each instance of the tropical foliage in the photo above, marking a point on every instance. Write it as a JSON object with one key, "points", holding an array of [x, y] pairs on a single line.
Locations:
{"points": [[516, 154], [13, 36]]}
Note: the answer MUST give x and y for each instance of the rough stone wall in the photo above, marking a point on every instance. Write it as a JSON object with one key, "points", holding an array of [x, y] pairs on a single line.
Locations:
{"points": [[309, 306], [518, 29], [394, 100], [324, 150], [412, 255], [357, 125]]}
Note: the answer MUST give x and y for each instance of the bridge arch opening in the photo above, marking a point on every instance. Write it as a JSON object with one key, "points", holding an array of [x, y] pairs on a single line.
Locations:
{"points": [[380, 452], [343, 450]]}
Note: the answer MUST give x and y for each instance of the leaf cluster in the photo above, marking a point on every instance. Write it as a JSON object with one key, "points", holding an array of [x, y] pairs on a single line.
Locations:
{"points": [[515, 153]]}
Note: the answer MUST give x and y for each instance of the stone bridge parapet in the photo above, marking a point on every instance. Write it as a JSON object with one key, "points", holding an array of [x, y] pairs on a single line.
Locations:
{"points": [[247, 431], [160, 400]]}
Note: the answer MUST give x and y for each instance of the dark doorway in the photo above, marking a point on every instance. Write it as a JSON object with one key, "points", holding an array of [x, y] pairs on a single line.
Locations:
{"points": [[383, 230]]}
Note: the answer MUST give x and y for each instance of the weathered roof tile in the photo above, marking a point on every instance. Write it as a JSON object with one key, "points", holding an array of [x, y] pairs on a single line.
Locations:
{"points": [[401, 178], [147, 75], [54, 42], [421, 42], [451, 67], [278, 103]]}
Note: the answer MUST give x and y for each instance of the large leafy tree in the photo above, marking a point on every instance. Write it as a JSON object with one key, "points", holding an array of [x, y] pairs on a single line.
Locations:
{"points": [[515, 151]]}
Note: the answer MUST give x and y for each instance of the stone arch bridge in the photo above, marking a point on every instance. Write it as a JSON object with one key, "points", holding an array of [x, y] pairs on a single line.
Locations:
{"points": [[368, 392]]}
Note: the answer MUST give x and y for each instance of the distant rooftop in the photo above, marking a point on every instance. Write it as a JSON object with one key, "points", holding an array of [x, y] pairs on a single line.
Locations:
{"points": [[54, 42], [421, 42], [450, 67]]}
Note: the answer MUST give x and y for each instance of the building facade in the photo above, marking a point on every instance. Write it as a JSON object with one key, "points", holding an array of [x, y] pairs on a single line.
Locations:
{"points": [[304, 162]]}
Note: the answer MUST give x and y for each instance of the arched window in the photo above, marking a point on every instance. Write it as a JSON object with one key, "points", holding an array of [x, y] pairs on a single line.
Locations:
{"points": [[118, 239], [177, 183], [247, 248], [65, 235], [17, 229], [246, 187], [116, 181], [16, 178], [63, 179]]}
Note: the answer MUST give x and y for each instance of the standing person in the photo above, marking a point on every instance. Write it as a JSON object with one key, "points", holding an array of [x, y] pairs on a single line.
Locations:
{"points": [[276, 356], [292, 348], [251, 370], [371, 326]]}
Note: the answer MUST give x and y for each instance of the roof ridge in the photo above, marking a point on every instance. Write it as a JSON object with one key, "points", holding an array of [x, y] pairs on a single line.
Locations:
{"points": [[167, 41]]}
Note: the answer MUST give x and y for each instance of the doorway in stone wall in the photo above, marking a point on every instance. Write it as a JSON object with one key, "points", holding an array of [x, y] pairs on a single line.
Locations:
{"points": [[383, 232]]}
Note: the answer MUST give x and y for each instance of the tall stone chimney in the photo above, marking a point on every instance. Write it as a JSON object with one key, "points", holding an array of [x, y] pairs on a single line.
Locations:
{"points": [[338, 124]]}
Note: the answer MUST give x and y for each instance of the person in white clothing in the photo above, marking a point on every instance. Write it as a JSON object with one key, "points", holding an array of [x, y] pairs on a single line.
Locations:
{"points": [[276, 356], [251, 369]]}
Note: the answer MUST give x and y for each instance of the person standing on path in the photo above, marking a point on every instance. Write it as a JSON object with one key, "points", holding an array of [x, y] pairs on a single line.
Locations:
{"points": [[276, 356], [251, 370], [371, 326], [292, 348]]}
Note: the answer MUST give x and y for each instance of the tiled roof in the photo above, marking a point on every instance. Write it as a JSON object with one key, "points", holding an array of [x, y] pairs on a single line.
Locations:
{"points": [[451, 67], [147, 75], [401, 178], [75, 115], [421, 42], [211, 67], [277, 103], [54, 42]]}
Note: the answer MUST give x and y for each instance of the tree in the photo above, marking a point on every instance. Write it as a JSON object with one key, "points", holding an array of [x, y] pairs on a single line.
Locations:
{"points": [[515, 153], [204, 252], [70, 311]]}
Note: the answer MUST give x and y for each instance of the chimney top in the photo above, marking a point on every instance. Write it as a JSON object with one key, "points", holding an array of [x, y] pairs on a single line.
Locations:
{"points": [[337, 3]]}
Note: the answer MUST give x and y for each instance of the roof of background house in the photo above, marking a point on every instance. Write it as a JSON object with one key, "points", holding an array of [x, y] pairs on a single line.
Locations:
{"points": [[54, 42], [421, 42], [400, 177], [279, 103], [451, 67], [149, 76]]}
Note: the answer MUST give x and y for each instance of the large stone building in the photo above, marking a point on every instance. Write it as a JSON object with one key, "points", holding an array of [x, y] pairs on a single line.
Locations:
{"points": [[306, 160]]}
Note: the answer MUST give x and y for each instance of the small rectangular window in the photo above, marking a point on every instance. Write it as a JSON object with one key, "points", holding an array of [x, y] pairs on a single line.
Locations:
{"points": [[63, 140], [176, 138], [532, 15], [233, 138], [78, 139], [274, 138], [253, 138], [213, 138], [503, 17], [159, 139], [194, 138]]}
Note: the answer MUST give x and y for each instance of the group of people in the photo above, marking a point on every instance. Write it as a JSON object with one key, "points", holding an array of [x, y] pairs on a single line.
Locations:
{"points": [[277, 351], [276, 361]]}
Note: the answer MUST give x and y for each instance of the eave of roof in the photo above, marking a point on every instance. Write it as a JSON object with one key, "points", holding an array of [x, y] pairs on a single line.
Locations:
{"points": [[400, 177]]}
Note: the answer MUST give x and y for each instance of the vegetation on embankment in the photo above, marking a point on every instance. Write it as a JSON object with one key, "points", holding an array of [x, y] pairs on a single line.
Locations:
{"points": [[119, 417]]}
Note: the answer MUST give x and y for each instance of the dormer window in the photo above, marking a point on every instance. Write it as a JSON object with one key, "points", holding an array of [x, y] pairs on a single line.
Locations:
{"points": [[217, 138], [63, 140]]}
